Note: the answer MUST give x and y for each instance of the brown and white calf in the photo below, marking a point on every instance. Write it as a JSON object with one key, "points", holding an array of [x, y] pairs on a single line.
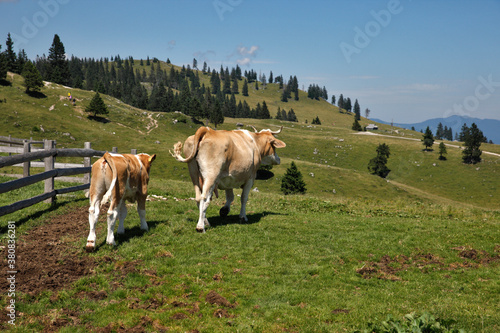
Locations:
{"points": [[226, 160], [118, 178]]}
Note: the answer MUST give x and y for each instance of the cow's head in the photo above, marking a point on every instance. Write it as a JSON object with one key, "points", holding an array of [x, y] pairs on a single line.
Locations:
{"points": [[147, 160], [269, 144]]}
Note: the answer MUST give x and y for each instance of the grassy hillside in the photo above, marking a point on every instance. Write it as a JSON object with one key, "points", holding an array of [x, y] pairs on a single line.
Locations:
{"points": [[352, 250], [331, 156]]}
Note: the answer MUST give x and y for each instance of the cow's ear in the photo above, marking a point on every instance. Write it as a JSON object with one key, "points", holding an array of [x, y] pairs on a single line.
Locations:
{"points": [[152, 158], [277, 143]]}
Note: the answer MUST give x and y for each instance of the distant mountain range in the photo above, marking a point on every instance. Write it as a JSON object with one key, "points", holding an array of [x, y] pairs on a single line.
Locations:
{"points": [[490, 127]]}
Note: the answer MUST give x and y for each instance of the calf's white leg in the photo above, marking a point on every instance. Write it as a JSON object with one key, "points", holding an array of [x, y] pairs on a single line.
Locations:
{"points": [[93, 218], [142, 217], [112, 215]]}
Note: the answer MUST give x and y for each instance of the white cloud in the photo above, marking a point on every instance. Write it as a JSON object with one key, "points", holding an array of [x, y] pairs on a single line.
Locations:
{"points": [[245, 56], [244, 61]]}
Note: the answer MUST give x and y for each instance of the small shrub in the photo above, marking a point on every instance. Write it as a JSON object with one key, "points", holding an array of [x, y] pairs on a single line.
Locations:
{"points": [[378, 164], [292, 182]]}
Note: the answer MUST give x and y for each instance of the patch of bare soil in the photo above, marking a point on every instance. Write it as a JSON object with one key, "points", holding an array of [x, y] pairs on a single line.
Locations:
{"points": [[214, 298], [46, 258], [387, 268]]}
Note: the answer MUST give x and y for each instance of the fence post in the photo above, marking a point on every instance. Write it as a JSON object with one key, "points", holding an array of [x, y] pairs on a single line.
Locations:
{"points": [[133, 151], [26, 165], [49, 165], [86, 163], [10, 144], [114, 150]]}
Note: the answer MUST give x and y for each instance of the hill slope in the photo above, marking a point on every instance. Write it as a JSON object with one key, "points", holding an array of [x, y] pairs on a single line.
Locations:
{"points": [[332, 157], [488, 126]]}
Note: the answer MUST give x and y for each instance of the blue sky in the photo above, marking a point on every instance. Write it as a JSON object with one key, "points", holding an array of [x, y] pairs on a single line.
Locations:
{"points": [[405, 60]]}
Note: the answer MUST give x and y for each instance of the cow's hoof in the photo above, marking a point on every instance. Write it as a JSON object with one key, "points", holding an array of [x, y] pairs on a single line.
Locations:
{"points": [[90, 247], [200, 230], [243, 219], [224, 211]]}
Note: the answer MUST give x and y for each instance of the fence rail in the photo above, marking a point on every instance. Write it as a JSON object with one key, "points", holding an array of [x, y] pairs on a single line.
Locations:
{"points": [[48, 154]]}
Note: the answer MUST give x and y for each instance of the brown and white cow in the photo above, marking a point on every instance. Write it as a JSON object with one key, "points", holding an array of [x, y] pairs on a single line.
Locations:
{"points": [[118, 178], [226, 160]]}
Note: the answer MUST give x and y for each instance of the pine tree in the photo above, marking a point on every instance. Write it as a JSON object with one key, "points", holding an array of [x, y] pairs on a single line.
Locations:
{"points": [[472, 142], [97, 106], [428, 139], [348, 105], [265, 112], [292, 182], [439, 132], [463, 133], [216, 117], [357, 110], [10, 55], [378, 164], [58, 70], [234, 87], [442, 151], [356, 125], [244, 90], [22, 59], [32, 78], [284, 96], [3, 66], [340, 102]]}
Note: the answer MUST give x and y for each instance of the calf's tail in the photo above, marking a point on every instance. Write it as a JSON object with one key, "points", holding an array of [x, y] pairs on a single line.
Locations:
{"points": [[112, 166]]}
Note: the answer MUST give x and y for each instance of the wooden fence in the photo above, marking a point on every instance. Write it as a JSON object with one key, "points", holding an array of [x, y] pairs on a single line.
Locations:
{"points": [[48, 154]]}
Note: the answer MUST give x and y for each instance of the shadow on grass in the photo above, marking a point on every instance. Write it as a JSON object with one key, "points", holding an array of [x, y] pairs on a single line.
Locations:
{"points": [[130, 233], [99, 119], [218, 221], [264, 174], [36, 94]]}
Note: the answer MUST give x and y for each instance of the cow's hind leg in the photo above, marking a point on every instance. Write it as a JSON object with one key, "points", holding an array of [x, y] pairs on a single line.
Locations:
{"points": [[141, 210], [122, 214], [224, 211], [95, 202], [204, 202]]}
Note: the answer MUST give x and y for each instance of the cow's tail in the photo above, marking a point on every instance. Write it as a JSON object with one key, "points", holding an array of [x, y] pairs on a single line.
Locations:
{"points": [[198, 136], [112, 166]]}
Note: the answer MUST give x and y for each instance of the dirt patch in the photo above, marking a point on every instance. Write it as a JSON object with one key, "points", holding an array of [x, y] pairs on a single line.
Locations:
{"points": [[387, 268], [46, 257], [214, 298]]}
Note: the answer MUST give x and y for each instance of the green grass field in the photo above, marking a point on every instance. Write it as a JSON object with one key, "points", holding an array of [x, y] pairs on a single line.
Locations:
{"points": [[353, 250]]}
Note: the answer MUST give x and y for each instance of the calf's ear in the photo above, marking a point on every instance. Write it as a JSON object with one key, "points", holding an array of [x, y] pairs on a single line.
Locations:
{"points": [[277, 143], [152, 158]]}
